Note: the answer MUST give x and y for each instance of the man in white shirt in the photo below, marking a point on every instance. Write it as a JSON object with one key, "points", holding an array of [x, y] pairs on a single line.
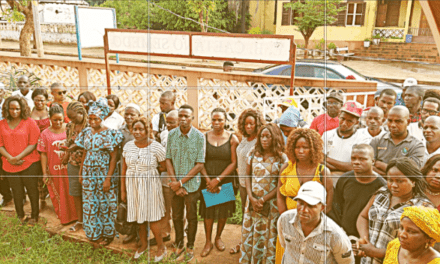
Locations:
{"points": [[339, 141], [24, 91], [374, 121], [167, 100], [430, 107], [308, 235], [431, 131]]}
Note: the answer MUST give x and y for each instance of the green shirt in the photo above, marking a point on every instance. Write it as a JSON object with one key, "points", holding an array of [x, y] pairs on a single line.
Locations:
{"points": [[185, 151]]}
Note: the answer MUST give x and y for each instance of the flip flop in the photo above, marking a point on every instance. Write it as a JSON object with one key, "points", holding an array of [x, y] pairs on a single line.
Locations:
{"points": [[220, 245], [235, 250], [206, 252]]}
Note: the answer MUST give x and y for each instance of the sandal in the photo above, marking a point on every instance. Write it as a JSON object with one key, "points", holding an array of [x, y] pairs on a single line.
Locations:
{"points": [[106, 241], [206, 252], [75, 227], [220, 245], [236, 249]]}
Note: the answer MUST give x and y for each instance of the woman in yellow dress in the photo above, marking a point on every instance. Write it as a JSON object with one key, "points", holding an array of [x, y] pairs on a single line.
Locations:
{"points": [[305, 152], [418, 232]]}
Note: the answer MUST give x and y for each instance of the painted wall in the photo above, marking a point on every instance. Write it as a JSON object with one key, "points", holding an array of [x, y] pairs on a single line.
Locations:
{"points": [[262, 12], [51, 33], [417, 15], [333, 33], [402, 15]]}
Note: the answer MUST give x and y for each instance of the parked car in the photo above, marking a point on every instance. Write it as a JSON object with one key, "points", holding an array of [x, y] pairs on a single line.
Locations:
{"points": [[325, 69]]}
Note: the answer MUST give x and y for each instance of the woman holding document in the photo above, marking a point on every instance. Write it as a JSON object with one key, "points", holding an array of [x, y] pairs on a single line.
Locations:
{"points": [[220, 165]]}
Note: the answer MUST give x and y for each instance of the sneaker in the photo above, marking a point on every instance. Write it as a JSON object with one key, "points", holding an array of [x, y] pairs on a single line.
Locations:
{"points": [[187, 256]]}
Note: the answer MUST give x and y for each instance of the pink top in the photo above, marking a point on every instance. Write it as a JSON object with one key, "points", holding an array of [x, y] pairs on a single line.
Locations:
{"points": [[43, 123], [323, 123], [51, 143], [16, 140]]}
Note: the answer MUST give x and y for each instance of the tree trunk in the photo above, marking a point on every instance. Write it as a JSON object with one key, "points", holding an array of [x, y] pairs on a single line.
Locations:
{"points": [[306, 45], [26, 34]]}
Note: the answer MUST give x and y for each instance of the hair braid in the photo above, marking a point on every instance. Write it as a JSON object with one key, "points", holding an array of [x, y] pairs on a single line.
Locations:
{"points": [[78, 107]]}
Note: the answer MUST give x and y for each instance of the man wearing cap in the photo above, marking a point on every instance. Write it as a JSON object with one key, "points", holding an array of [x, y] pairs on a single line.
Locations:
{"points": [[407, 83], [308, 235], [413, 98], [329, 120], [5, 189], [339, 141], [397, 142]]}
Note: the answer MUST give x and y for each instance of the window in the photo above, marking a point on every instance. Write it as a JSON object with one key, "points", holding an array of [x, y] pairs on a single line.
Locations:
{"points": [[355, 14], [352, 15], [288, 16], [304, 71], [326, 73]]}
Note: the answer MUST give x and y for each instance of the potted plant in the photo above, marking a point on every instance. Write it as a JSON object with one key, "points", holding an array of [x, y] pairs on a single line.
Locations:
{"points": [[366, 43], [331, 47], [376, 39]]}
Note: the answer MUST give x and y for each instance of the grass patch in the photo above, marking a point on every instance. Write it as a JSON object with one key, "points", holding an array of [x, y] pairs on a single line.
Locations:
{"points": [[236, 219], [24, 244]]}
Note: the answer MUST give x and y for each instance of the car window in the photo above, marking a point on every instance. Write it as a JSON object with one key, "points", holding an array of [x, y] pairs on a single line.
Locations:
{"points": [[304, 71], [321, 73], [287, 71]]}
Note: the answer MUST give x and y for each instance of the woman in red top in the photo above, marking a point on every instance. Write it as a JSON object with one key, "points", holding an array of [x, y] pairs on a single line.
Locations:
{"points": [[40, 114], [18, 141]]}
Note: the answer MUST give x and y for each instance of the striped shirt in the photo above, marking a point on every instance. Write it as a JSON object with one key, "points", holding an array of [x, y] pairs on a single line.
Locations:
{"points": [[185, 151], [327, 243], [384, 221]]}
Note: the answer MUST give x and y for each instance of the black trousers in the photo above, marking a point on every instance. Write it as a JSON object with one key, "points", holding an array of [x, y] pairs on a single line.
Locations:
{"points": [[27, 178], [179, 204], [5, 189]]}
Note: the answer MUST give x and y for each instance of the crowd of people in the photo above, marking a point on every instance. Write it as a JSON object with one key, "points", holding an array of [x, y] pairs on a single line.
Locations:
{"points": [[355, 186]]}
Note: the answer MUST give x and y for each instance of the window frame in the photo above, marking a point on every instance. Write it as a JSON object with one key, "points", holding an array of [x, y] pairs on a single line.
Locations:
{"points": [[354, 14]]}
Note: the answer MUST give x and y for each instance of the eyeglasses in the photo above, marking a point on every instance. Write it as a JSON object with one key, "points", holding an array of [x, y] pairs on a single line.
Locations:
{"points": [[333, 103], [430, 112], [62, 92]]}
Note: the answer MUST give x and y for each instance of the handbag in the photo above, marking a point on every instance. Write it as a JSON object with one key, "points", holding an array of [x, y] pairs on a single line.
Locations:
{"points": [[121, 225], [225, 195]]}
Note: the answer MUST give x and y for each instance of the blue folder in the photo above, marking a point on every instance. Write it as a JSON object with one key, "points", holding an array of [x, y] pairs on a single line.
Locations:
{"points": [[225, 195]]}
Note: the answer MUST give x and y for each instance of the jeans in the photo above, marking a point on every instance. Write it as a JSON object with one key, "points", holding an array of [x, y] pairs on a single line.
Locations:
{"points": [[5, 189], [168, 195], [179, 203], [27, 178]]}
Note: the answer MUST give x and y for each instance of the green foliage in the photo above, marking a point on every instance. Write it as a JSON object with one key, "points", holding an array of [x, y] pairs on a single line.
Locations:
{"points": [[95, 2], [9, 79], [12, 14], [377, 36], [320, 45], [254, 30], [314, 14], [266, 32], [367, 39], [331, 45], [139, 14]]}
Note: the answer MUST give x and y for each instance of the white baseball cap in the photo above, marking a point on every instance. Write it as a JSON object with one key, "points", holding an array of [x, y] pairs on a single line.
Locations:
{"points": [[409, 82], [312, 193]]}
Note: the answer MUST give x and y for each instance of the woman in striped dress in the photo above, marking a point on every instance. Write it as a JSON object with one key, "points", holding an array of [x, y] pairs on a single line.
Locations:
{"points": [[141, 186]]}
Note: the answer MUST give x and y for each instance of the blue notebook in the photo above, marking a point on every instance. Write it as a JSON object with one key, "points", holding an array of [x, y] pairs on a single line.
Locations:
{"points": [[225, 195]]}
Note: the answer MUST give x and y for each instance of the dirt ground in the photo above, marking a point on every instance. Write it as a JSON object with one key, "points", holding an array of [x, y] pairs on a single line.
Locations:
{"points": [[231, 236], [377, 69]]}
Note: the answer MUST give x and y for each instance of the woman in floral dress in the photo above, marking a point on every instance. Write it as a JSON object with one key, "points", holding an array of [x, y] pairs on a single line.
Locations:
{"points": [[99, 185], [259, 231]]}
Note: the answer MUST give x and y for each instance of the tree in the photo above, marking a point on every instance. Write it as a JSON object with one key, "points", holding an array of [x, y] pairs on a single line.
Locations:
{"points": [[95, 2], [311, 14], [23, 7], [203, 9]]}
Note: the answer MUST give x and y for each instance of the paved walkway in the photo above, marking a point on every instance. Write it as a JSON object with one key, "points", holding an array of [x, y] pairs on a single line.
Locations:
{"points": [[377, 69], [231, 236]]}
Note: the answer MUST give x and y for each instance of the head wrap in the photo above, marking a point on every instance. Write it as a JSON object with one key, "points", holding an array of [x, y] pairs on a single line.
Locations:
{"points": [[425, 218], [99, 108], [290, 117], [135, 106]]}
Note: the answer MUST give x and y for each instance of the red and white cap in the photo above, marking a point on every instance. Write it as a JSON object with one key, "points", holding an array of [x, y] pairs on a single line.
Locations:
{"points": [[352, 108]]}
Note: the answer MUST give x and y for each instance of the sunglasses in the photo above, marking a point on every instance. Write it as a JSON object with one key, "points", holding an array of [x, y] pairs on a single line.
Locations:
{"points": [[62, 92]]}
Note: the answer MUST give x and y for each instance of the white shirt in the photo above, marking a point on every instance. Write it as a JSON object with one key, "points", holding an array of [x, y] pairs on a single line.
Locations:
{"points": [[28, 97], [327, 243], [427, 155], [340, 148], [115, 121], [368, 137], [415, 130], [164, 138]]}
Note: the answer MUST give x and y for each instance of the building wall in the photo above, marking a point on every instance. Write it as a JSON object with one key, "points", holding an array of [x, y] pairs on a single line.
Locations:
{"points": [[417, 15], [262, 12], [333, 33]]}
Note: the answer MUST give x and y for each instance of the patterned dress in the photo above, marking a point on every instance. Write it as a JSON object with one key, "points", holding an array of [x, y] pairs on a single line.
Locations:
{"points": [[99, 207], [144, 187], [63, 203], [259, 233]]}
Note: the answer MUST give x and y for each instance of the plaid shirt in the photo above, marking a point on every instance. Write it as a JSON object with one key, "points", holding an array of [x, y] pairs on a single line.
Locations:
{"points": [[415, 118], [185, 151], [384, 221]]}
